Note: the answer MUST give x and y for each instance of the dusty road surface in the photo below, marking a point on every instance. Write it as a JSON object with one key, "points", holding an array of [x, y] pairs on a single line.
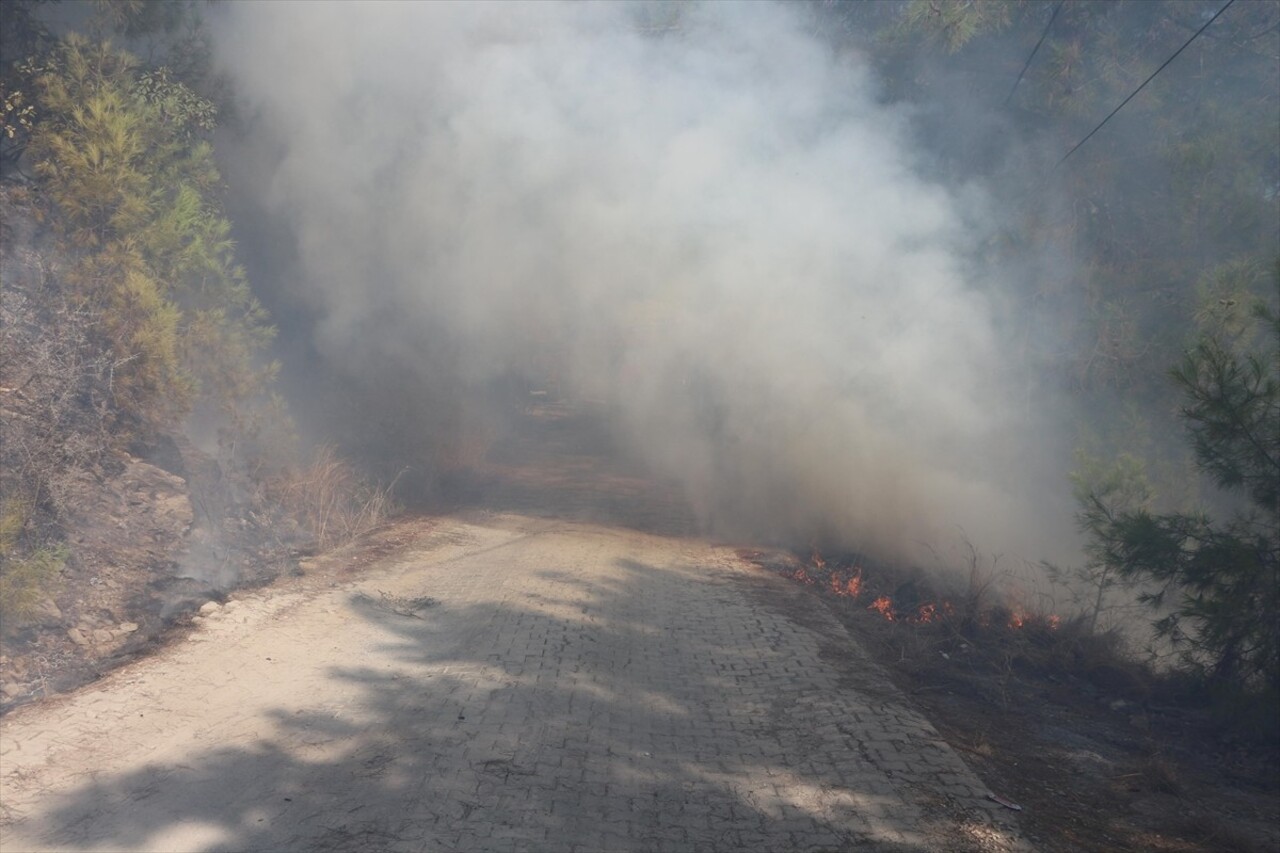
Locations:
{"points": [[499, 682]]}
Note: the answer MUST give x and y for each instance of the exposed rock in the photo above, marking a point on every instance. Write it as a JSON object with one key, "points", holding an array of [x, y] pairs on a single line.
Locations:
{"points": [[1090, 763], [144, 502], [128, 515], [147, 544], [47, 612]]}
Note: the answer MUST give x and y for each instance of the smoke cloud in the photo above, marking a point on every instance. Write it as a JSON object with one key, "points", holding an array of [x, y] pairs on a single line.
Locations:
{"points": [[712, 221]]}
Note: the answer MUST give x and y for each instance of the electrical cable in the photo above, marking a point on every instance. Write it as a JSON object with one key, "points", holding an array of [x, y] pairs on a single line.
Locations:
{"points": [[1194, 36], [1034, 50]]}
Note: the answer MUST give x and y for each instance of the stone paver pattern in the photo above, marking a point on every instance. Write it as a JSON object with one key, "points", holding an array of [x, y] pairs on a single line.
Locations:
{"points": [[501, 683]]}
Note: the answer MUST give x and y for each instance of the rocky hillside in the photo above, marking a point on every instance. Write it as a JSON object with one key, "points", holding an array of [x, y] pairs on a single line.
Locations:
{"points": [[105, 536], [143, 546]]}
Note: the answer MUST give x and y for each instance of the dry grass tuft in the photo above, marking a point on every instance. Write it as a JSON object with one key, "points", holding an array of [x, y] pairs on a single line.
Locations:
{"points": [[26, 576], [332, 500]]}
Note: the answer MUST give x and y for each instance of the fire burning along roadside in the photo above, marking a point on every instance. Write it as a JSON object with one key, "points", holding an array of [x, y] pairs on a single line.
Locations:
{"points": [[850, 580]]}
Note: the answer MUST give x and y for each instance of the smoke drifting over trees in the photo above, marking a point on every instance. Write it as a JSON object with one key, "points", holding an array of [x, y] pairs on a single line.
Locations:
{"points": [[713, 221], [877, 277]]}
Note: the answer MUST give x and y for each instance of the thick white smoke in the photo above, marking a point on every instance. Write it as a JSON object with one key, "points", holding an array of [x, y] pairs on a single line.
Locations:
{"points": [[714, 224]]}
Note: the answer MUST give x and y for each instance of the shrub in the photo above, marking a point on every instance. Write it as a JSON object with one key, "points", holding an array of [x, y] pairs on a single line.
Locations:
{"points": [[332, 500], [25, 578], [128, 187], [1218, 580]]}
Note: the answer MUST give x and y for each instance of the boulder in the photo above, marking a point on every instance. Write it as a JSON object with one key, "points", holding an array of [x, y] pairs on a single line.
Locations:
{"points": [[46, 612], [142, 503]]}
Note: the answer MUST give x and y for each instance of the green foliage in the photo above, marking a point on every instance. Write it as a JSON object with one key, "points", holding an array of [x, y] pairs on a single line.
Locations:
{"points": [[25, 581], [954, 23], [1227, 301], [1184, 180], [128, 185], [1157, 211], [13, 518], [22, 36], [136, 17], [18, 115], [1102, 488], [1233, 413], [25, 578], [1218, 581], [178, 106]]}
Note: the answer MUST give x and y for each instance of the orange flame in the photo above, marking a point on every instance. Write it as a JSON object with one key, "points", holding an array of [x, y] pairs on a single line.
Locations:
{"points": [[1019, 620], [851, 588], [817, 560], [884, 607], [802, 576], [927, 613]]}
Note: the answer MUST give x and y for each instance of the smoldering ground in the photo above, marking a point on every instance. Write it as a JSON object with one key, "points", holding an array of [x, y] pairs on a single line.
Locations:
{"points": [[705, 216]]}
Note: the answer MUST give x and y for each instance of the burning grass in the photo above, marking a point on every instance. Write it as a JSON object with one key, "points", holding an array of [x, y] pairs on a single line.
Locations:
{"points": [[976, 634], [913, 601], [1103, 751], [981, 636]]}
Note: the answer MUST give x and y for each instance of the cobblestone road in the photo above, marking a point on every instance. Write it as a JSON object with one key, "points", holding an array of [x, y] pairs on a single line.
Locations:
{"points": [[502, 683]]}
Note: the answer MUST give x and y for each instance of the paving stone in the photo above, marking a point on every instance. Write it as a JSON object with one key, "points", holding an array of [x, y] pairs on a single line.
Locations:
{"points": [[572, 688]]}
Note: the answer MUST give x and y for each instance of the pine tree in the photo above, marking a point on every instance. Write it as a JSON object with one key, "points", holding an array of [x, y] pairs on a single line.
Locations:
{"points": [[1218, 580], [128, 185]]}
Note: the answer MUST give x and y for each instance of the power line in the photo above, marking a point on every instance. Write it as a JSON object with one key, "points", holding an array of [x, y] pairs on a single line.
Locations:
{"points": [[1034, 50], [1194, 36]]}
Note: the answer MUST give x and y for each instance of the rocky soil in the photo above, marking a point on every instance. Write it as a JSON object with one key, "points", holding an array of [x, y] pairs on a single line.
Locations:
{"points": [[151, 537]]}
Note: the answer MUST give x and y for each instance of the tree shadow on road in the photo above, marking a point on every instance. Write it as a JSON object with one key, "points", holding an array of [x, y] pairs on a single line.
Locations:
{"points": [[609, 716]]}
